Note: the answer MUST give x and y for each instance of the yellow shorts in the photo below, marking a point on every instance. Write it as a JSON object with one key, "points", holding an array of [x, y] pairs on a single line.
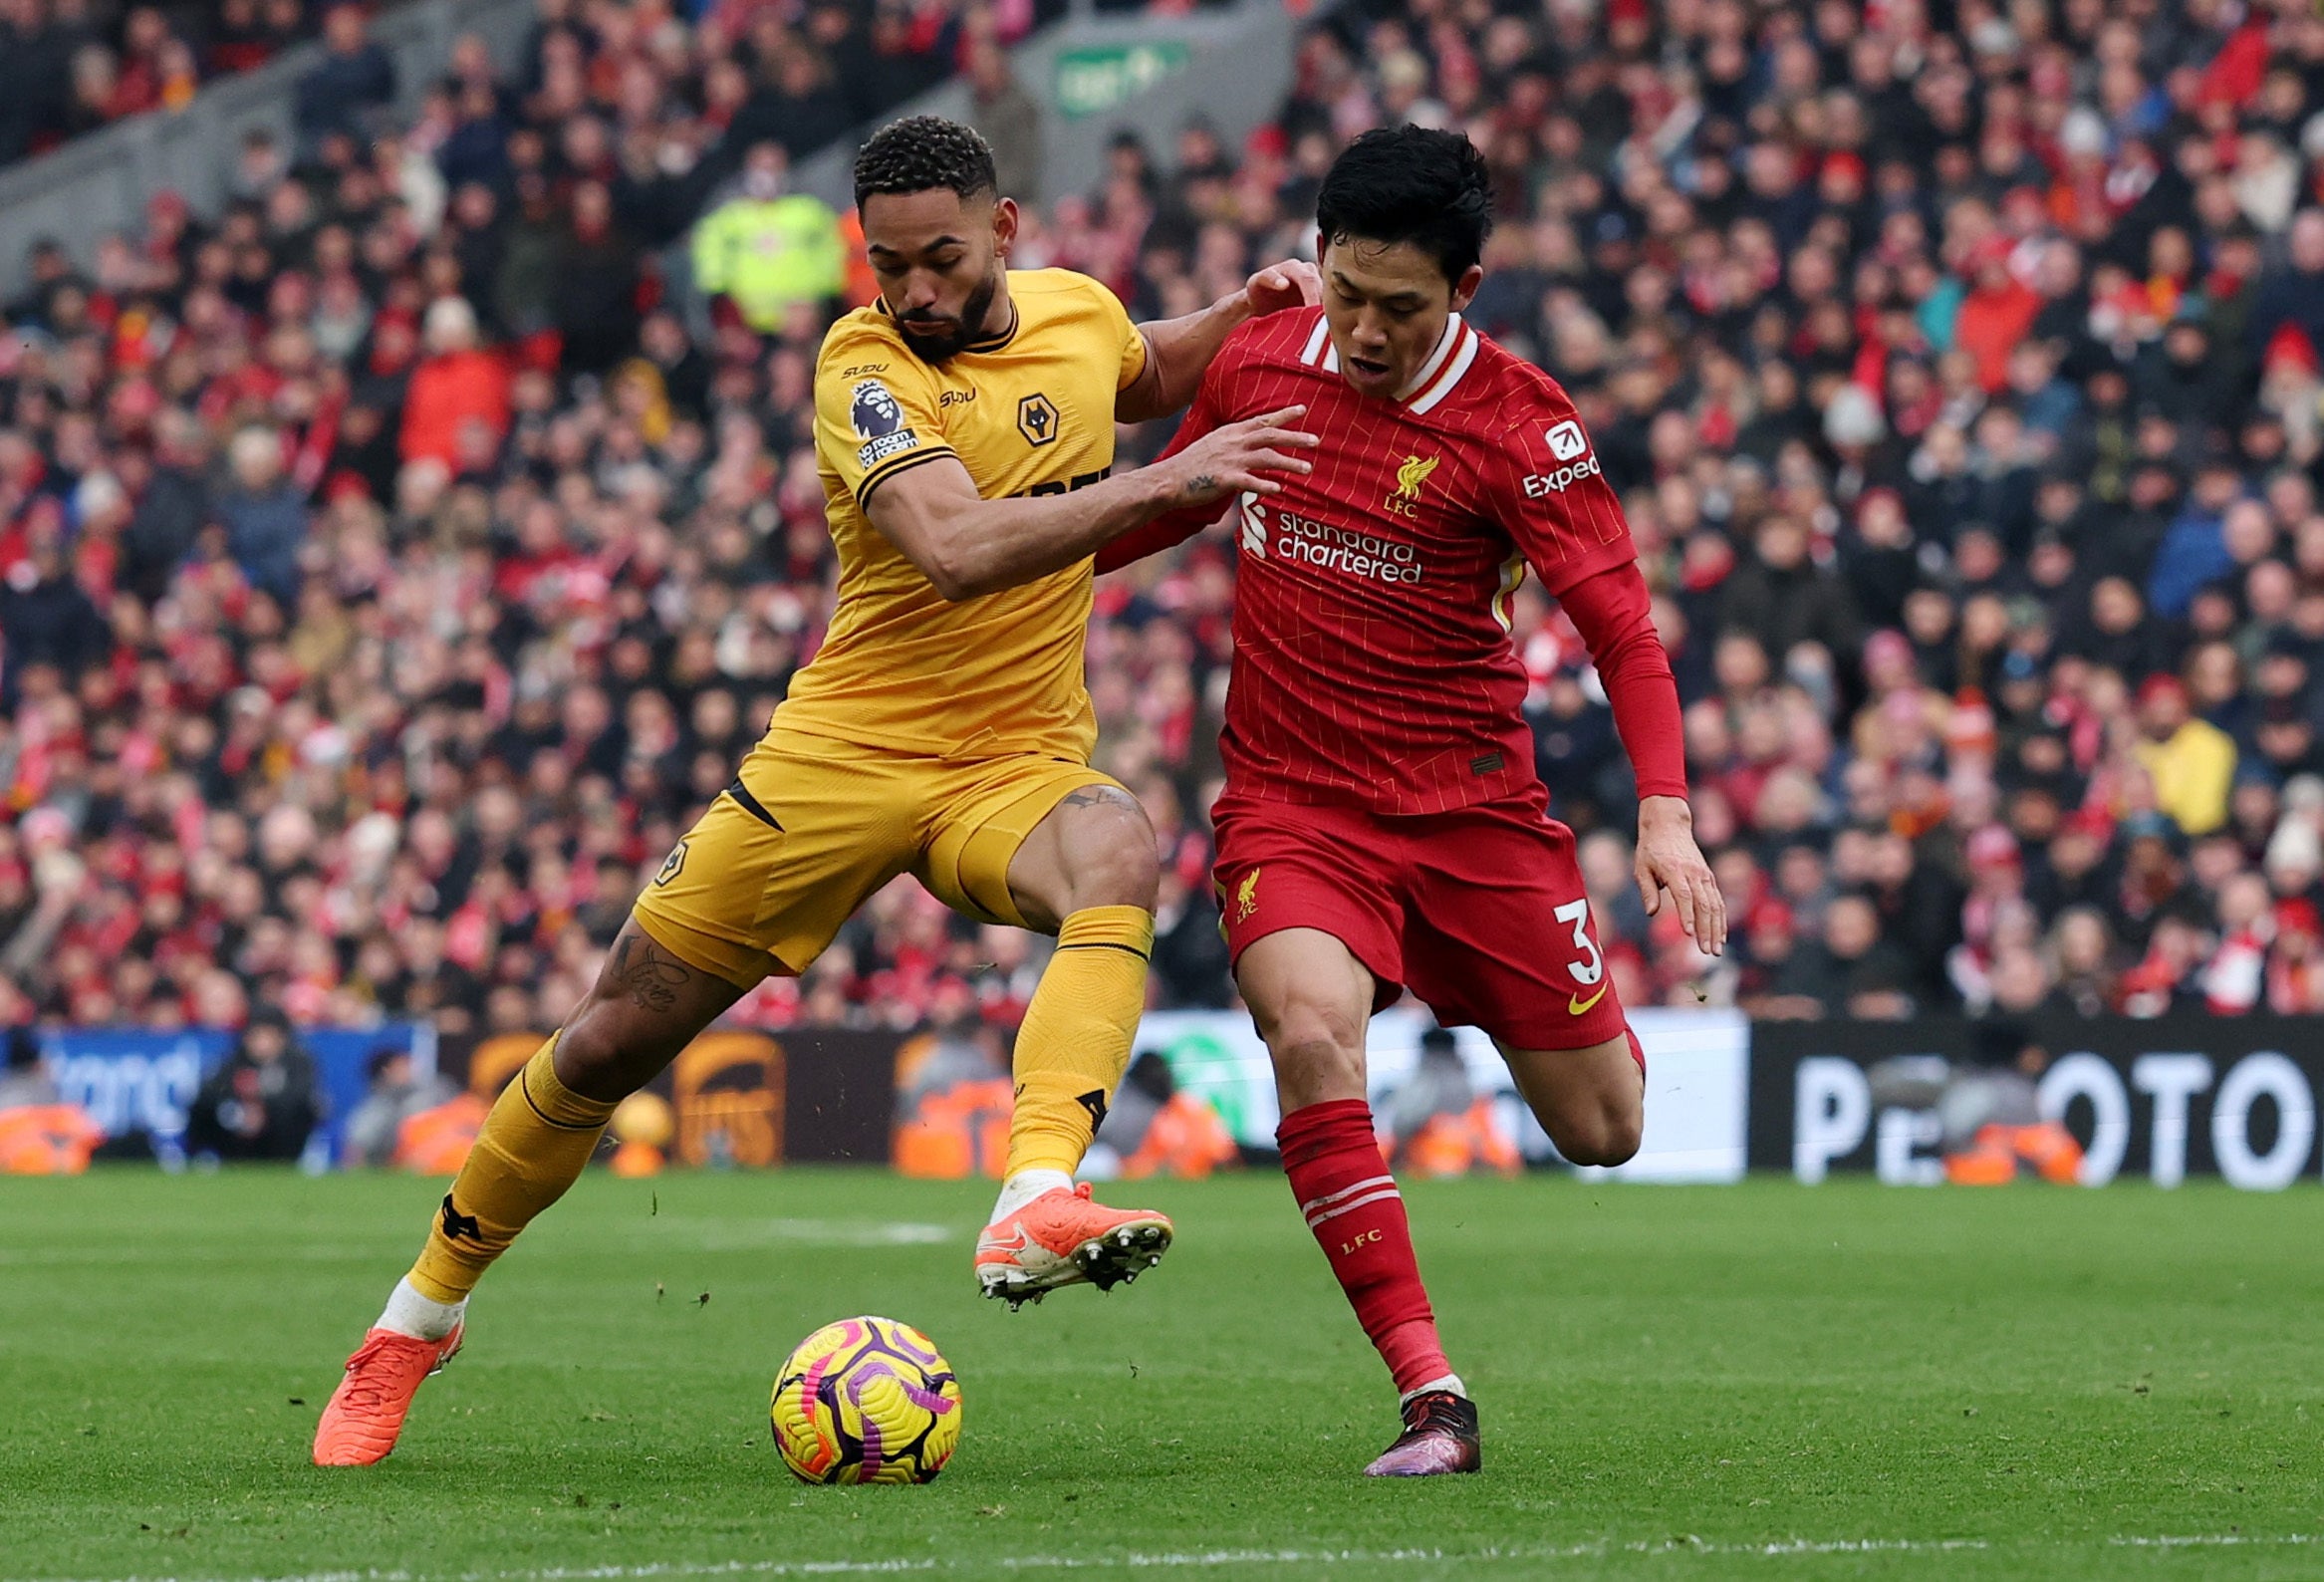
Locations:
{"points": [[812, 827]]}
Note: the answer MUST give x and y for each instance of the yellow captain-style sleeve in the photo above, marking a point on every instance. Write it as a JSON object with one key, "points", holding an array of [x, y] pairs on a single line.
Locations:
{"points": [[1132, 343], [876, 412]]}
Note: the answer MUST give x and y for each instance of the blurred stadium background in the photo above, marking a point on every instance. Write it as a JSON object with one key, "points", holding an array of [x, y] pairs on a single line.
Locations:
{"points": [[407, 515]]}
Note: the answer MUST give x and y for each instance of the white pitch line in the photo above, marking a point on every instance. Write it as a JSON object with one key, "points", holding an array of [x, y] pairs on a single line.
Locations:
{"points": [[1210, 1559], [705, 1234]]}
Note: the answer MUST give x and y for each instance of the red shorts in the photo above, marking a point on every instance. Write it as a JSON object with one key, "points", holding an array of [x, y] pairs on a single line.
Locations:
{"points": [[1479, 912]]}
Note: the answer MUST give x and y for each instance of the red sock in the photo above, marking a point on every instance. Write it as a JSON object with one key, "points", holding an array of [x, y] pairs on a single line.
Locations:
{"points": [[1358, 1216]]}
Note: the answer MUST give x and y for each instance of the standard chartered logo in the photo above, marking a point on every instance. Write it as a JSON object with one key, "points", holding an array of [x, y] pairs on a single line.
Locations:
{"points": [[1287, 535]]}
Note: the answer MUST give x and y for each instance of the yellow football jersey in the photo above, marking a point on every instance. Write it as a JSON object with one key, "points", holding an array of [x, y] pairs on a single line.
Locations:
{"points": [[1029, 412]]}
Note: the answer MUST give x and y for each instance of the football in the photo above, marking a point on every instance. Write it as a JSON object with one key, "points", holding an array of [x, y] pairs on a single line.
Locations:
{"points": [[865, 1400]]}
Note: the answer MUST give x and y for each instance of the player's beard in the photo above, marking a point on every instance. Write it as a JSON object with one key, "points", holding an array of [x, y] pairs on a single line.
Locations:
{"points": [[968, 328]]}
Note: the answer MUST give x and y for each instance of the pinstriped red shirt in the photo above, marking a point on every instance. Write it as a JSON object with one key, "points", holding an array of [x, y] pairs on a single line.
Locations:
{"points": [[1373, 666]]}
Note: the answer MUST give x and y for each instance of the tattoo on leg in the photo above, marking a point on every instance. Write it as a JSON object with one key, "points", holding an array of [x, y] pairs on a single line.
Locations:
{"points": [[651, 981], [1091, 796]]}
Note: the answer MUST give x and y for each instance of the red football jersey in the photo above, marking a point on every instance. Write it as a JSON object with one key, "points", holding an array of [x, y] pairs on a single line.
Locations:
{"points": [[1373, 666]]}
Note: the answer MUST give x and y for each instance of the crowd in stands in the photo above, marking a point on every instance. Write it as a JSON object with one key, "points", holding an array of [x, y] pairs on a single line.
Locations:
{"points": [[668, 77], [390, 567], [69, 66]]}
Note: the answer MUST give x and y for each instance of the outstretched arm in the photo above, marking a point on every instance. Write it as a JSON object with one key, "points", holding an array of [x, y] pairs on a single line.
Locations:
{"points": [[968, 546], [1554, 500], [1179, 350], [1612, 613], [1180, 523], [1163, 532]]}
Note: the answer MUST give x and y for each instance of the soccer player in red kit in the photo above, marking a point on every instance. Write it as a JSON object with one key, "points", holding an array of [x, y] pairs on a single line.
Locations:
{"points": [[1383, 826]]}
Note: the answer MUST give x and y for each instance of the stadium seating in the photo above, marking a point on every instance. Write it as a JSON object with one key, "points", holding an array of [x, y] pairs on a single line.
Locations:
{"points": [[1964, 387], [68, 68]]}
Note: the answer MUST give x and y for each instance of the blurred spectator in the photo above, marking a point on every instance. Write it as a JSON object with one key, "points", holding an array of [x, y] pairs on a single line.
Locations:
{"points": [[245, 33], [171, 512], [1987, 1107], [46, 616], [355, 80], [1000, 109], [1784, 599], [24, 1080], [2192, 761], [952, 1102], [39, 1134], [396, 1093], [456, 408], [1190, 965], [1852, 970], [264, 513], [1154, 1129], [1438, 1084], [262, 1103], [593, 296], [773, 255], [1436, 1123], [67, 67], [799, 108]]}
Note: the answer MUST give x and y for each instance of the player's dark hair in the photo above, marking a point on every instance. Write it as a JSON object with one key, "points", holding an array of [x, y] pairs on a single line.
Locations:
{"points": [[921, 153], [1410, 184]]}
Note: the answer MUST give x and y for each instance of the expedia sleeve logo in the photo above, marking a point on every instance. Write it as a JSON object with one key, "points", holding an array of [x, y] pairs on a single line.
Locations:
{"points": [[879, 423], [1569, 447]]}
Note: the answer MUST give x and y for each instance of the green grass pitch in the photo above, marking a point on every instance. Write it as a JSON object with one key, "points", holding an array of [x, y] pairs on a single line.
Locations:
{"points": [[1767, 1381]]}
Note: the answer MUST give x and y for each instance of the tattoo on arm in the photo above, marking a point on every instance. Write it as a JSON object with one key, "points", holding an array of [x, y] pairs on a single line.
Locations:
{"points": [[1202, 483], [650, 979], [1091, 796]]}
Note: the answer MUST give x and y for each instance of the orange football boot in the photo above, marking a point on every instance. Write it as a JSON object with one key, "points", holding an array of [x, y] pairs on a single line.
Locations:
{"points": [[367, 1411], [1063, 1238]]}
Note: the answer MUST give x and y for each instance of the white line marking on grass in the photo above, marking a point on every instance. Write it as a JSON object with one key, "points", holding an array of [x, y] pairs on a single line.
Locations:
{"points": [[314, 1252], [705, 1234], [1207, 1559], [699, 1234]]}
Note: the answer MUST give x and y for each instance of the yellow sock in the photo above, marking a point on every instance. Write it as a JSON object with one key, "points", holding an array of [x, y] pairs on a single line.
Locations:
{"points": [[1075, 1043], [534, 1145]]}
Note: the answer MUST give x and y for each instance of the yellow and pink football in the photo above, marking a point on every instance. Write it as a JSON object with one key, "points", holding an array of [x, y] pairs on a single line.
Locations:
{"points": [[865, 1400]]}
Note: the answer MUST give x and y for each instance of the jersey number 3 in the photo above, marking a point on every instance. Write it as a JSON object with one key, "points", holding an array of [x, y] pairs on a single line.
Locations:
{"points": [[1592, 966]]}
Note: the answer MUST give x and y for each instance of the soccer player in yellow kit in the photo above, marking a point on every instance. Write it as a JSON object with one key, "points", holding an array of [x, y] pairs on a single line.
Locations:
{"points": [[964, 426]]}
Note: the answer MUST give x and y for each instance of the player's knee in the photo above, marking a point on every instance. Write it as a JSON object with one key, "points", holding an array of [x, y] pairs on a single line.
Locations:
{"points": [[590, 1059], [1317, 1071], [1114, 864], [1127, 877], [1318, 1054], [1300, 1024], [1603, 1134], [609, 1048]]}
